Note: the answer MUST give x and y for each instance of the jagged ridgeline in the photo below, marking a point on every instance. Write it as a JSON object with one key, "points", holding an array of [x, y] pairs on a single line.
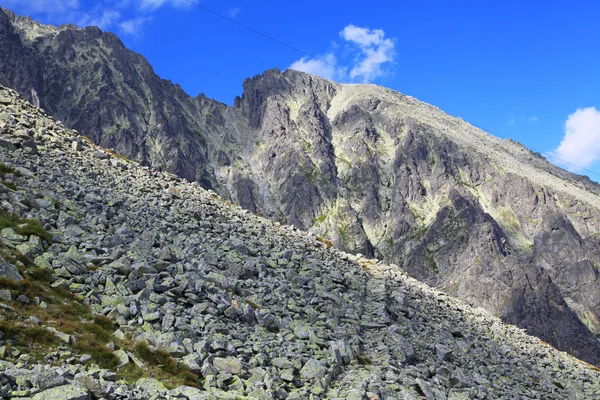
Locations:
{"points": [[374, 171], [119, 281]]}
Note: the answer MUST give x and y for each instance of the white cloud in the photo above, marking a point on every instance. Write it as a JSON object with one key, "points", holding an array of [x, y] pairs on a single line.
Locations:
{"points": [[532, 119], [511, 121], [326, 69], [581, 143], [128, 17], [370, 50], [134, 26], [102, 18], [41, 6], [234, 12], [375, 48], [151, 5]]}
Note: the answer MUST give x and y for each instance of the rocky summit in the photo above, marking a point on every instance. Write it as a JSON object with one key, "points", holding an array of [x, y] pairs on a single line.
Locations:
{"points": [[374, 171], [120, 281]]}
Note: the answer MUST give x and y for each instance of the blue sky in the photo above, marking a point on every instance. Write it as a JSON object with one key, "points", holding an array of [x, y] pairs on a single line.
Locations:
{"points": [[523, 70]]}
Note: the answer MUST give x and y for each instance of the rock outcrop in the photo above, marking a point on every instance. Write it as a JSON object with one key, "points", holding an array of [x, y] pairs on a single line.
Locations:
{"points": [[376, 172], [252, 308]]}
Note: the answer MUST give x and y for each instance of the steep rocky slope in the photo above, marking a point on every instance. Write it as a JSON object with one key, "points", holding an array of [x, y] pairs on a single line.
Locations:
{"points": [[251, 307], [377, 172]]}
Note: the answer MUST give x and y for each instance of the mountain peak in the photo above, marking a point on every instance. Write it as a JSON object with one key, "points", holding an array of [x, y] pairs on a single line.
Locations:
{"points": [[371, 170], [169, 282]]}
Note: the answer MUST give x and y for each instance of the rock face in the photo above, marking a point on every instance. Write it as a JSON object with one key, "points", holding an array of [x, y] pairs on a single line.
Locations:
{"points": [[377, 172], [254, 308]]}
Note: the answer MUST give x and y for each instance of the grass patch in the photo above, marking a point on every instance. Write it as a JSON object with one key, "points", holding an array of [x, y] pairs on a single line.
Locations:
{"points": [[161, 366], [326, 242], [431, 263], [364, 360], [320, 218], [117, 155], [24, 226], [22, 335], [32, 227], [63, 312], [104, 322], [10, 185], [93, 345], [252, 304], [5, 169]]}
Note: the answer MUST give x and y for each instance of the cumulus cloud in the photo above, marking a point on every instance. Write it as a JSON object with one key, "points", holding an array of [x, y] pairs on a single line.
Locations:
{"points": [[375, 51], [324, 67], [369, 52], [581, 143]]}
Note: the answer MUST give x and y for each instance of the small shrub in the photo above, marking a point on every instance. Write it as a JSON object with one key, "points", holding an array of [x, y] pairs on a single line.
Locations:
{"points": [[26, 227], [29, 227], [364, 360], [27, 336], [104, 322], [5, 169], [159, 357], [320, 218], [40, 274], [90, 344], [39, 336], [167, 364]]}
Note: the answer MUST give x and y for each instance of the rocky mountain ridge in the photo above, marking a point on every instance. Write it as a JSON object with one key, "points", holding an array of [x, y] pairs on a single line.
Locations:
{"points": [[377, 172], [252, 308]]}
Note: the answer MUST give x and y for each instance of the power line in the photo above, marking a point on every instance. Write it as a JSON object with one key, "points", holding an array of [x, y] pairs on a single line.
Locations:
{"points": [[347, 70], [273, 39]]}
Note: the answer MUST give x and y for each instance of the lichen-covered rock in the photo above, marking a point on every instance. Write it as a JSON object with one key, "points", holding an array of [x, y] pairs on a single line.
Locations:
{"points": [[48, 380], [150, 385], [313, 369], [64, 392], [231, 365], [9, 271]]}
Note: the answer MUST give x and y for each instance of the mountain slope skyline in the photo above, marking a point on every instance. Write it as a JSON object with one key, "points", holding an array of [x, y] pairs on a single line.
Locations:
{"points": [[377, 172], [506, 67]]}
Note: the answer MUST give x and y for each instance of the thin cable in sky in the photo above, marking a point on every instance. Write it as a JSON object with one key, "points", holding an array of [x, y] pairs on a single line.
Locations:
{"points": [[271, 38], [347, 70]]}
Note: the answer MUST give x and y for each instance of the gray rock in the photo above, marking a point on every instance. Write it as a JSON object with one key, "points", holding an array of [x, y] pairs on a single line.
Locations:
{"points": [[5, 295], [9, 271], [313, 369], [443, 352], [150, 385], [64, 392], [231, 365], [123, 357]]}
